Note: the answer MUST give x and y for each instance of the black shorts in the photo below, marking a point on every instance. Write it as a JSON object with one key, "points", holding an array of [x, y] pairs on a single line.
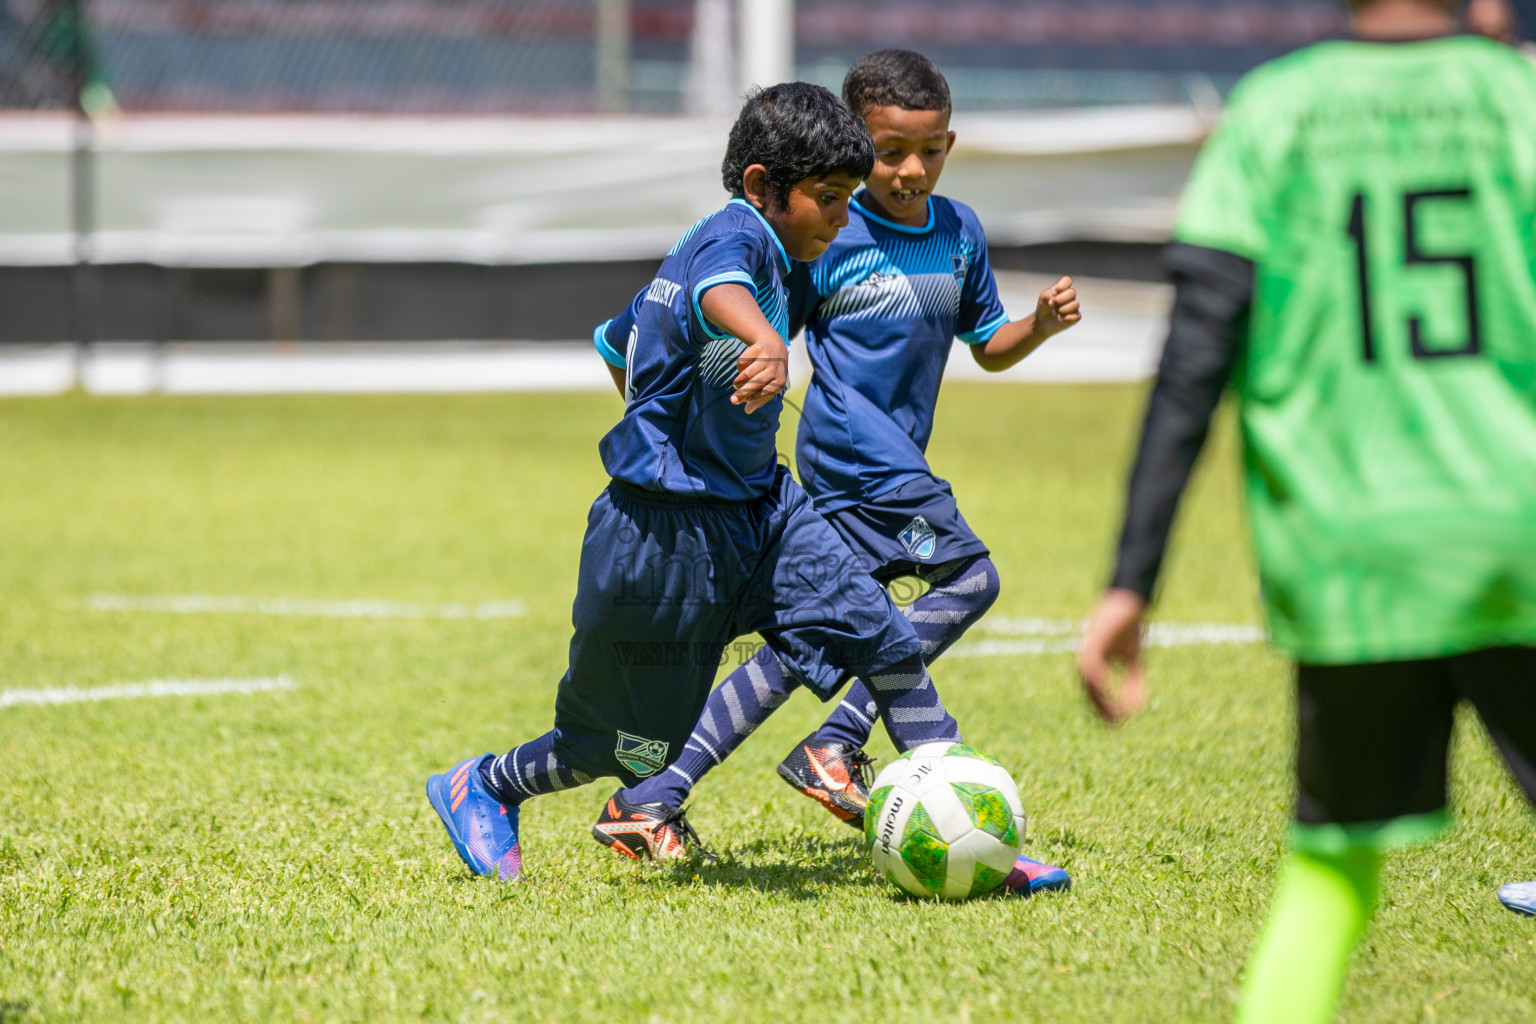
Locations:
{"points": [[1372, 742]]}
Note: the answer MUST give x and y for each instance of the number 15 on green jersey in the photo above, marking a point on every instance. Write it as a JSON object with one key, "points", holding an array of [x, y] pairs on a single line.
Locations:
{"points": [[1386, 194]]}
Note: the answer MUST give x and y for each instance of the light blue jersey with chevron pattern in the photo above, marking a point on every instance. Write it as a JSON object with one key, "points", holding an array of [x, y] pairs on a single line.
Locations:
{"points": [[890, 301], [680, 434]]}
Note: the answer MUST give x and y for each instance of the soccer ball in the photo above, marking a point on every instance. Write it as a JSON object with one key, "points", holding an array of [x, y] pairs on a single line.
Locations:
{"points": [[944, 821]]}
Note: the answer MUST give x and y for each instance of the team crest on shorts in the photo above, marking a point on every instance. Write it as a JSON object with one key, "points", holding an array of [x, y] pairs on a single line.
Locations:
{"points": [[918, 538], [640, 755]]}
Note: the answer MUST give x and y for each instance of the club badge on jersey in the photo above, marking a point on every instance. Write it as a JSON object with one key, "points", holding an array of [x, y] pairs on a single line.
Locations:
{"points": [[961, 264], [918, 538]]}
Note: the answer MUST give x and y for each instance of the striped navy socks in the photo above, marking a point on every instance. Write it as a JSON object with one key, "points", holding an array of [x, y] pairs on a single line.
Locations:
{"points": [[741, 703], [956, 600], [750, 694], [531, 769]]}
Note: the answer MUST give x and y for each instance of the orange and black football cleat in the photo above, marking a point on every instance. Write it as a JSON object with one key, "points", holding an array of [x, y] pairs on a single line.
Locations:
{"points": [[650, 830], [835, 775]]}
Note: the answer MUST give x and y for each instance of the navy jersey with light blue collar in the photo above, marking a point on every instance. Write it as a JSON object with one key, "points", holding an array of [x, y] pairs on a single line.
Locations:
{"points": [[680, 433], [891, 301], [881, 309]]}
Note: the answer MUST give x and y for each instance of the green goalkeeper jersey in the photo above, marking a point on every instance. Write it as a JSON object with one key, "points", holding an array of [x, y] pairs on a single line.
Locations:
{"points": [[1386, 194]]}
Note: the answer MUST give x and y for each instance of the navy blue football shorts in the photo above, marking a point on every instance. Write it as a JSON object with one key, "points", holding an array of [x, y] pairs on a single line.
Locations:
{"points": [[909, 530], [666, 584]]}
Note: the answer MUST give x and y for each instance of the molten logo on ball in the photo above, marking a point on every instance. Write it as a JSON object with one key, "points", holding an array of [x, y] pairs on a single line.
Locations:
{"points": [[944, 821]]}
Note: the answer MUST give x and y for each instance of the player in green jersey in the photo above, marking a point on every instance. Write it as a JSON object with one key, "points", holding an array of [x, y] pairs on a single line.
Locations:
{"points": [[1356, 253]]}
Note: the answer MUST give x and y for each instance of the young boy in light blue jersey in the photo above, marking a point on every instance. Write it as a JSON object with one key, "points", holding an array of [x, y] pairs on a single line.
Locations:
{"points": [[881, 309]]}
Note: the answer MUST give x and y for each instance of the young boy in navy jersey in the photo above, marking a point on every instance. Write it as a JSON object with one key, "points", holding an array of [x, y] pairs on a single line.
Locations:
{"points": [[701, 536], [881, 309]]}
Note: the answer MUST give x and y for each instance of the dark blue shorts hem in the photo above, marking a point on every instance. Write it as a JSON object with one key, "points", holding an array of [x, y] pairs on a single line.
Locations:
{"points": [[909, 530]]}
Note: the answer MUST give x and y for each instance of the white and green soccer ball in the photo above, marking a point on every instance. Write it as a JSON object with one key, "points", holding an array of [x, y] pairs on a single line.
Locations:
{"points": [[944, 821]]}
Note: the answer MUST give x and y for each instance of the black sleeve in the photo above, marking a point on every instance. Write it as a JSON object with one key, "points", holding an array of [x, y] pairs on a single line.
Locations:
{"points": [[1213, 290]]}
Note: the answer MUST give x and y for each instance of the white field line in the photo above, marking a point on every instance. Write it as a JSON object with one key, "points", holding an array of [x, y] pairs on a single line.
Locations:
{"points": [[194, 604], [156, 688], [1001, 648], [1053, 636], [1001, 625]]}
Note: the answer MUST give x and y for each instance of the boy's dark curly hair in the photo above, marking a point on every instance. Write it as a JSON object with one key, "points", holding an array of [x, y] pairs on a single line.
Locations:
{"points": [[796, 130], [895, 78]]}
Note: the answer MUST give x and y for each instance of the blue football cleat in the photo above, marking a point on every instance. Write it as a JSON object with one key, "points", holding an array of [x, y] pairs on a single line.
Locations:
{"points": [[1030, 876], [483, 830], [1519, 897]]}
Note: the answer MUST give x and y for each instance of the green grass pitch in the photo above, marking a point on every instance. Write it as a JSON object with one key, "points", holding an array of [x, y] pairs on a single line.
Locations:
{"points": [[271, 856]]}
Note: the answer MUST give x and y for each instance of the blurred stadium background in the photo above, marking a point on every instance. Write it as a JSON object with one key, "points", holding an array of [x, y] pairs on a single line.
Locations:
{"points": [[177, 172]]}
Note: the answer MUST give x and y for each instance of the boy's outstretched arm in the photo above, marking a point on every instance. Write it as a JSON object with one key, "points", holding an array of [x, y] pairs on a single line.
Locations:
{"points": [[1214, 291], [1056, 310], [763, 369]]}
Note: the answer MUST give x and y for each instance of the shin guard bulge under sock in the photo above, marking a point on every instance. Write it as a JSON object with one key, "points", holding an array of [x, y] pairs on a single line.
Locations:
{"points": [[910, 707]]}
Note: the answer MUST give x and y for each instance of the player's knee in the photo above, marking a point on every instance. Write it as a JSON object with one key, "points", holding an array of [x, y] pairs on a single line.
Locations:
{"points": [[994, 584], [975, 582]]}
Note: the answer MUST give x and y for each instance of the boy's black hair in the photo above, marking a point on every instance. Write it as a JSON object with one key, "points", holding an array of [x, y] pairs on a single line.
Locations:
{"points": [[796, 130], [895, 78]]}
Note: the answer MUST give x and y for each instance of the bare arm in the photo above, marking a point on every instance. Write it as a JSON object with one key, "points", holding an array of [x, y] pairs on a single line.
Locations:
{"points": [[1056, 310], [623, 327], [763, 369]]}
